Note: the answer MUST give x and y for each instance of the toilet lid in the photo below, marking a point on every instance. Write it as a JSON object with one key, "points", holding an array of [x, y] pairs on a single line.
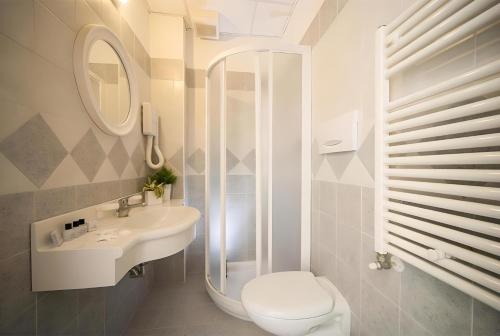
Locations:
{"points": [[286, 295]]}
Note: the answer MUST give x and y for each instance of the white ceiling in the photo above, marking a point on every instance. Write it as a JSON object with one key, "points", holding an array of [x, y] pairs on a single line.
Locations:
{"points": [[236, 17]]}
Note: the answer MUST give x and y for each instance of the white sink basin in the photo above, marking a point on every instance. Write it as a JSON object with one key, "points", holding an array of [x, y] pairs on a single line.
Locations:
{"points": [[94, 260]]}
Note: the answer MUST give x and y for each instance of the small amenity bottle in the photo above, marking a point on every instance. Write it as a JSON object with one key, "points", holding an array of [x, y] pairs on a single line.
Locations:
{"points": [[68, 232], [83, 225]]}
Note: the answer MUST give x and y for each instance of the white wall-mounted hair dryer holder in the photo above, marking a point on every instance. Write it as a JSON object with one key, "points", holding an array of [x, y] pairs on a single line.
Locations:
{"points": [[150, 129]]}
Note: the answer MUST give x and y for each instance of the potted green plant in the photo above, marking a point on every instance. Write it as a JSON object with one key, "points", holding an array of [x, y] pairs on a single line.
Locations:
{"points": [[166, 177], [153, 192]]}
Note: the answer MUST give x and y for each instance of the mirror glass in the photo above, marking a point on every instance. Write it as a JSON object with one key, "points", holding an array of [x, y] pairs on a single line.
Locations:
{"points": [[109, 83]]}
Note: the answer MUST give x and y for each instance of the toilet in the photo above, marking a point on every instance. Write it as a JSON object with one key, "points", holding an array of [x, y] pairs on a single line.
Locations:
{"points": [[296, 304]]}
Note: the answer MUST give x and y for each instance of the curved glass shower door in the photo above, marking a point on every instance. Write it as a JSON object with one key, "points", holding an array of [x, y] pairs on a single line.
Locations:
{"points": [[258, 170], [240, 171], [214, 180]]}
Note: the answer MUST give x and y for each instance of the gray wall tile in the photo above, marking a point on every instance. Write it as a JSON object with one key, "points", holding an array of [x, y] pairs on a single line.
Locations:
{"points": [[17, 301], [315, 238], [339, 162], [367, 208], [122, 301], [349, 284], [442, 309], [16, 213], [386, 281], [349, 206], [23, 324], [410, 327], [348, 244], [95, 193], [91, 312], [328, 264], [486, 320], [366, 153], [34, 150], [57, 313], [52, 202], [379, 316], [137, 158], [195, 263], [170, 270], [328, 232], [328, 197], [315, 192], [89, 155], [118, 157], [131, 186]]}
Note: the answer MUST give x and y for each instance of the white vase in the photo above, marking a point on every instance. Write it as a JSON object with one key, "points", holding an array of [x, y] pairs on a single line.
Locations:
{"points": [[167, 192], [151, 198]]}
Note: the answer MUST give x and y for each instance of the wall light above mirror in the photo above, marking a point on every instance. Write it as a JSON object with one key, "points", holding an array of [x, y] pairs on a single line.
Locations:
{"points": [[105, 80]]}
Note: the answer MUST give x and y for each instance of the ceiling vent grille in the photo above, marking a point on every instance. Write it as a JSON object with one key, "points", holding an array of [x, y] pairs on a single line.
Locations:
{"points": [[206, 25]]}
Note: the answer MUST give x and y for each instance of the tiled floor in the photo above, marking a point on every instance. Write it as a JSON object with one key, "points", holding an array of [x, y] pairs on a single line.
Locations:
{"points": [[186, 310]]}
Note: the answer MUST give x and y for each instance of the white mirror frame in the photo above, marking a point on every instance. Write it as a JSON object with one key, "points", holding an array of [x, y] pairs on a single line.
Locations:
{"points": [[83, 43]]}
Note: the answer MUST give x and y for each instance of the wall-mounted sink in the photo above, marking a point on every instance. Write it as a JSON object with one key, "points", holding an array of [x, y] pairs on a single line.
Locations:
{"points": [[93, 260]]}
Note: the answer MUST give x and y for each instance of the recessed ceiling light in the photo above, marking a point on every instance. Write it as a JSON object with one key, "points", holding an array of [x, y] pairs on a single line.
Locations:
{"points": [[123, 2]]}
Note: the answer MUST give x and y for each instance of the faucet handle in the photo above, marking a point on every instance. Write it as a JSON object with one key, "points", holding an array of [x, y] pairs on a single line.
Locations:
{"points": [[122, 202]]}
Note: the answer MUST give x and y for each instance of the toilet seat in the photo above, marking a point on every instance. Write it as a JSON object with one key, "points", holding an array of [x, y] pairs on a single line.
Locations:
{"points": [[287, 296]]}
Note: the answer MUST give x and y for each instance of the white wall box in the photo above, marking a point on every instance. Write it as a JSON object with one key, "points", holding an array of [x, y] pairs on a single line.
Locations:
{"points": [[339, 134]]}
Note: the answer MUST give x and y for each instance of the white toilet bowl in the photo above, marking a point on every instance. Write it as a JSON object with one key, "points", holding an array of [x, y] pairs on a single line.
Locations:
{"points": [[296, 304]]}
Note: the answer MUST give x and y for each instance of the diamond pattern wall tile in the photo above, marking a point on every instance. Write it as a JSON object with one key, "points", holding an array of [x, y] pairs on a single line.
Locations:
{"points": [[88, 154], [249, 161], [366, 153], [197, 161], [34, 150], [66, 174], [16, 117], [231, 160], [118, 157], [12, 180], [138, 158], [106, 172], [339, 162], [176, 160], [129, 171]]}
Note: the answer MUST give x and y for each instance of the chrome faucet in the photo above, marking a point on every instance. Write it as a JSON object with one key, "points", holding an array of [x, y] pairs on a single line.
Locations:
{"points": [[124, 207]]}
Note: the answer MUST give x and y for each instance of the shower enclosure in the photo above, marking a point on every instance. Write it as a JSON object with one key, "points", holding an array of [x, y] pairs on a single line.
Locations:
{"points": [[257, 168]]}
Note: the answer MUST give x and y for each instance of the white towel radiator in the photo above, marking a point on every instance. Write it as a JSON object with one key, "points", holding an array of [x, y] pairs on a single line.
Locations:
{"points": [[437, 202]]}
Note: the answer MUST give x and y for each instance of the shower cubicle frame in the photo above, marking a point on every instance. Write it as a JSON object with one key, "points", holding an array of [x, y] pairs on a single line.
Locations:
{"points": [[227, 304]]}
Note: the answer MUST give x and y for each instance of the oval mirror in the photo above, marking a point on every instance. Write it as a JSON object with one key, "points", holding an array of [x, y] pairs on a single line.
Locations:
{"points": [[105, 80]]}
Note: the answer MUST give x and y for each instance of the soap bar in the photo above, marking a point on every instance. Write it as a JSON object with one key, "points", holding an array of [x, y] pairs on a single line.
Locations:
{"points": [[56, 238]]}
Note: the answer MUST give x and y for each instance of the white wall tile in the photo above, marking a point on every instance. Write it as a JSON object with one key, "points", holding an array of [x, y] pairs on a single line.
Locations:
{"points": [[53, 39], [17, 21], [64, 9]]}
